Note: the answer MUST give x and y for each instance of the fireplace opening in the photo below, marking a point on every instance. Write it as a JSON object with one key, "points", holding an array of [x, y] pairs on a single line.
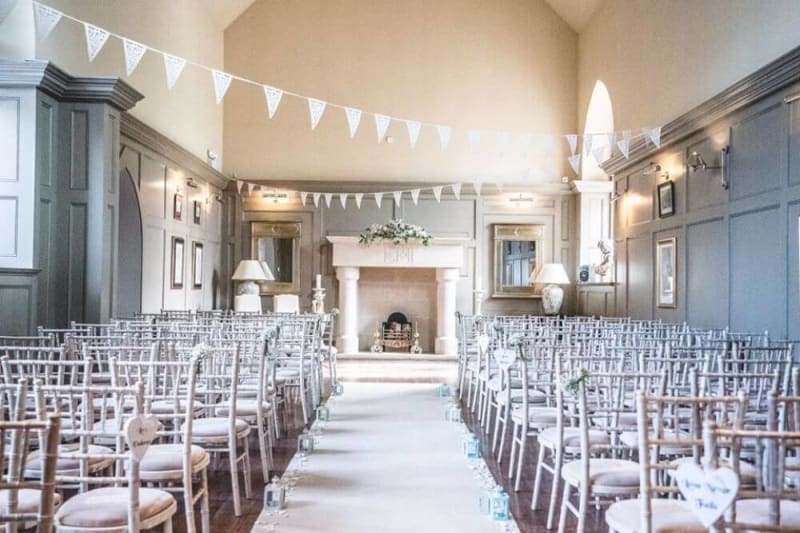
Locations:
{"points": [[396, 334]]}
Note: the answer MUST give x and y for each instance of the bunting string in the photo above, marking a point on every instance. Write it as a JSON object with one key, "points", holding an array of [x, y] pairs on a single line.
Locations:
{"points": [[46, 18]]}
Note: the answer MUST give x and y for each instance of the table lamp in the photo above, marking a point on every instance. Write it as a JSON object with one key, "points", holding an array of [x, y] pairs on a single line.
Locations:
{"points": [[249, 273], [551, 276]]}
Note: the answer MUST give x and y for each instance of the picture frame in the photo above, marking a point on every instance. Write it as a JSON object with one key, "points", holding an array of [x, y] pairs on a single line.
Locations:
{"points": [[666, 273], [197, 210], [177, 206], [666, 199], [197, 265], [176, 263]]}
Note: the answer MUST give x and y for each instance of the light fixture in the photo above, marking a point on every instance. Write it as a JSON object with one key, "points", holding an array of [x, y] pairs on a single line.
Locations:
{"points": [[191, 184], [651, 169], [211, 155], [275, 196], [696, 161], [521, 199], [248, 273], [551, 276]]}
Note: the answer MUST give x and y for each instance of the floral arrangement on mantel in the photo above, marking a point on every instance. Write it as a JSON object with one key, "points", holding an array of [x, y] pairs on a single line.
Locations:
{"points": [[396, 231]]}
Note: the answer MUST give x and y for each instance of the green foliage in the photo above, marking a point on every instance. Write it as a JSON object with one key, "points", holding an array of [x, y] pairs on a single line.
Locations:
{"points": [[396, 231]]}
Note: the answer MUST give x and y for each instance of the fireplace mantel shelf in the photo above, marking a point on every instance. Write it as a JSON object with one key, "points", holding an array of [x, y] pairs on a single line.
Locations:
{"points": [[446, 255]]}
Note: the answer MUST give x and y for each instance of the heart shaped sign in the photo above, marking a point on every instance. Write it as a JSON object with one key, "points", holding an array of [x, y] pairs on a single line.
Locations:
{"points": [[139, 433], [708, 492], [505, 357], [483, 343]]}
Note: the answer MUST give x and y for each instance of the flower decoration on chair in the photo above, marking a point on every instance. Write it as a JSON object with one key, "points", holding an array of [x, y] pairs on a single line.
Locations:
{"points": [[571, 384], [201, 349], [396, 231]]}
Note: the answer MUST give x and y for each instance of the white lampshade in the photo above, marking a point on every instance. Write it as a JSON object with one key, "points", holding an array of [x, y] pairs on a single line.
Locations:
{"points": [[551, 274], [249, 270]]}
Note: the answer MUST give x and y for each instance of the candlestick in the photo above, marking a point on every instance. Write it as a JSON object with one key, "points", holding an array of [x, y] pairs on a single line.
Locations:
{"points": [[319, 282]]}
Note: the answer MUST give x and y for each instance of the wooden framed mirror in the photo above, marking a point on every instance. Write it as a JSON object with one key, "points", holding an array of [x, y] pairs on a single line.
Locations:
{"points": [[517, 254], [276, 245]]}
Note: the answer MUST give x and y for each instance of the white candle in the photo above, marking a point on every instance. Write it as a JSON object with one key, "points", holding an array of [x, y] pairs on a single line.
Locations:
{"points": [[319, 281], [477, 281]]}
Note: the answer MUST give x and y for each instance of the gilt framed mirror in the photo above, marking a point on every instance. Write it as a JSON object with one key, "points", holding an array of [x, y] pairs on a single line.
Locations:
{"points": [[517, 250], [276, 245]]}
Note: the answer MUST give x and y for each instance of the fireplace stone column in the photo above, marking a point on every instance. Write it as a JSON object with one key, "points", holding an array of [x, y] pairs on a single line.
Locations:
{"points": [[446, 341], [348, 308]]}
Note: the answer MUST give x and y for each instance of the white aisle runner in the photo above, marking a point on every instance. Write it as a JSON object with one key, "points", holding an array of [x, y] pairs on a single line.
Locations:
{"points": [[387, 461]]}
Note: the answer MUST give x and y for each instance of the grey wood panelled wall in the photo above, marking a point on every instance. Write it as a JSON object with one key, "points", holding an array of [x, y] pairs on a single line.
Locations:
{"points": [[469, 217], [737, 247], [60, 146]]}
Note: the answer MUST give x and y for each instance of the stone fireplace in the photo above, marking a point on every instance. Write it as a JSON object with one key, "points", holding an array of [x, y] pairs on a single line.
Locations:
{"points": [[442, 261]]}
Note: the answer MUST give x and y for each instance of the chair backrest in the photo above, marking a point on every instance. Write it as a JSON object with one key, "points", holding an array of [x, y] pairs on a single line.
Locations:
{"points": [[286, 303]]}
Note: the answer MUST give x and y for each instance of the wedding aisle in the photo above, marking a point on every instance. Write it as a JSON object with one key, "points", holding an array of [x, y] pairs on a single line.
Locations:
{"points": [[386, 461]]}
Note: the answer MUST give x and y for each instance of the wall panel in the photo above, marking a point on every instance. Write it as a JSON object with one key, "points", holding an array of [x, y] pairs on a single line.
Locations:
{"points": [[640, 276], [707, 274], [758, 158]]}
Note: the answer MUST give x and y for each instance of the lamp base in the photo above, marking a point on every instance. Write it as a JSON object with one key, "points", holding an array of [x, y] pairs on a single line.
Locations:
{"points": [[552, 298], [247, 287]]}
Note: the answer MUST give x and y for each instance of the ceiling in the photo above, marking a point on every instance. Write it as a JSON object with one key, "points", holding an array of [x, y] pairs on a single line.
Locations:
{"points": [[576, 13], [224, 12]]}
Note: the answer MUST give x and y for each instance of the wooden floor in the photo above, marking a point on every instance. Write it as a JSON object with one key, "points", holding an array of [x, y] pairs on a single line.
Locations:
{"points": [[223, 520]]}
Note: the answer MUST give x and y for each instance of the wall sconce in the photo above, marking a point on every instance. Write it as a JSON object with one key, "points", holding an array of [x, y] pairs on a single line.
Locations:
{"points": [[215, 196], [696, 161], [191, 184], [651, 169], [275, 196], [521, 199]]}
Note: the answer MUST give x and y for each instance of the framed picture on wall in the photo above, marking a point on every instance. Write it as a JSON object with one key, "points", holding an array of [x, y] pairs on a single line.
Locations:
{"points": [[176, 264], [197, 210], [666, 279], [197, 265], [177, 206], [666, 199]]}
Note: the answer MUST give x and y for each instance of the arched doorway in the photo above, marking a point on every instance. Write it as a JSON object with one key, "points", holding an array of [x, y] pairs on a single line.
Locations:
{"points": [[599, 120], [129, 260]]}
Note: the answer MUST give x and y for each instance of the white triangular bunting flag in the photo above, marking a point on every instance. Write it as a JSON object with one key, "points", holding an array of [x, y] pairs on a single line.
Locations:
{"points": [[315, 110], [456, 190], [343, 200], [415, 196], [328, 198], [46, 19], [502, 138], [612, 142], [250, 187], [315, 196], [174, 66], [95, 39], [477, 185], [239, 186], [547, 142], [358, 196], [398, 196], [653, 135], [353, 119], [381, 125], [624, 144], [474, 138], [444, 136], [273, 96], [378, 198], [413, 131], [599, 154], [303, 197], [588, 140], [133, 54], [222, 80], [575, 162], [437, 193], [526, 141], [572, 140]]}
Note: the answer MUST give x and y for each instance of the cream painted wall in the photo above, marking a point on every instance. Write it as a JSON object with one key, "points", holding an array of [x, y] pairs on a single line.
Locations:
{"points": [[16, 31], [660, 58], [504, 64], [188, 114]]}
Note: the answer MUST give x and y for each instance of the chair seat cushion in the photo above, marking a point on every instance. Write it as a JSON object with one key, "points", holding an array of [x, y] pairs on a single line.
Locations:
{"points": [[631, 440], [244, 408], [747, 471], [755, 512], [66, 464], [216, 427], [668, 516], [537, 416], [108, 507], [166, 407], [168, 457], [572, 437], [27, 501], [534, 396], [604, 472]]}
